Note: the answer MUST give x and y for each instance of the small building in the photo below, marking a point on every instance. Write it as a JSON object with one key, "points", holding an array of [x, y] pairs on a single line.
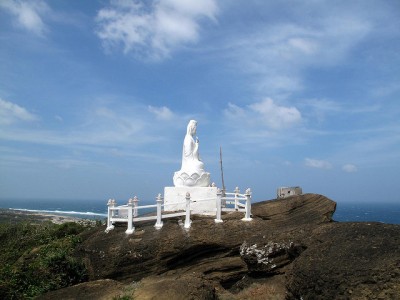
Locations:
{"points": [[284, 192]]}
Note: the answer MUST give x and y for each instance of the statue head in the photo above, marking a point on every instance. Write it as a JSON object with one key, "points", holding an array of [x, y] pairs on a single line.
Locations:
{"points": [[191, 128]]}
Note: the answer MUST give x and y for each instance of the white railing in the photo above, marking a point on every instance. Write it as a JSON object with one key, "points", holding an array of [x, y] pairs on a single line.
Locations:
{"points": [[228, 199], [129, 213]]}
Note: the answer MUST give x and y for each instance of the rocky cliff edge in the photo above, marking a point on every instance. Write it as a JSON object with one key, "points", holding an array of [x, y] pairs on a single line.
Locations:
{"points": [[291, 249]]}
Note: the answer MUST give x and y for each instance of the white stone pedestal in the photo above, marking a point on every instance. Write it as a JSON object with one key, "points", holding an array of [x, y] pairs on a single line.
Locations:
{"points": [[175, 199]]}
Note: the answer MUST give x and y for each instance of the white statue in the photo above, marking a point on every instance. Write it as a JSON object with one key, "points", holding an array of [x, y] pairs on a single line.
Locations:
{"points": [[192, 172]]}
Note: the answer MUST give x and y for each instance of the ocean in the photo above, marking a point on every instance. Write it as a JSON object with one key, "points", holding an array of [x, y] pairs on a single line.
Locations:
{"points": [[368, 212], [97, 209], [87, 209]]}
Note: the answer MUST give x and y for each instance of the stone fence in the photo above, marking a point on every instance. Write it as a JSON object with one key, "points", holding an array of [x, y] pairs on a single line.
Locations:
{"points": [[129, 213]]}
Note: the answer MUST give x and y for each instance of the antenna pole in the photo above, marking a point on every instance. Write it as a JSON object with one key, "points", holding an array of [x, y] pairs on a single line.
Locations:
{"points": [[222, 170]]}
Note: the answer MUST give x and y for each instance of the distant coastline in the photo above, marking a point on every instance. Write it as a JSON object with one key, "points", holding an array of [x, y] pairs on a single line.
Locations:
{"points": [[83, 215], [82, 209], [15, 216]]}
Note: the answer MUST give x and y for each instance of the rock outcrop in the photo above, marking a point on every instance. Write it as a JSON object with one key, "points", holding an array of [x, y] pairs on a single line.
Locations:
{"points": [[348, 261], [269, 258], [208, 248], [291, 248]]}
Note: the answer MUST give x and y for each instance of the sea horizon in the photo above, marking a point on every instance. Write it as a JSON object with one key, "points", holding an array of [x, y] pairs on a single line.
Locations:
{"points": [[97, 209]]}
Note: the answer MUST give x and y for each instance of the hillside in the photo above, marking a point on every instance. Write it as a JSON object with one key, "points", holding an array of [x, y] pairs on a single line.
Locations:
{"points": [[292, 248]]}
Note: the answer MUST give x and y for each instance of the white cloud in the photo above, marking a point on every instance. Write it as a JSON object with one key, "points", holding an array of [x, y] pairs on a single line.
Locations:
{"points": [[324, 105], [11, 113], [161, 113], [319, 164], [349, 168], [304, 45], [266, 113], [28, 13], [321, 108], [276, 53], [152, 30], [101, 126], [110, 126], [385, 89], [276, 116]]}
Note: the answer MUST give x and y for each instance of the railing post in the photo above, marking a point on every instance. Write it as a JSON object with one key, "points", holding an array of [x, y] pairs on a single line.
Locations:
{"points": [[130, 229], [187, 217], [237, 191], [114, 204], [159, 201], [247, 216], [110, 213], [135, 205], [218, 218]]}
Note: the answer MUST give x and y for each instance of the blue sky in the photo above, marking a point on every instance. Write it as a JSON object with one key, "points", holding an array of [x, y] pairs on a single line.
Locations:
{"points": [[95, 96]]}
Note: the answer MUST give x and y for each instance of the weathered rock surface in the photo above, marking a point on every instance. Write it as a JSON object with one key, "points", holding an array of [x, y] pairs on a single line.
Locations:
{"points": [[295, 211], [349, 261], [290, 248], [208, 248], [177, 287], [100, 290]]}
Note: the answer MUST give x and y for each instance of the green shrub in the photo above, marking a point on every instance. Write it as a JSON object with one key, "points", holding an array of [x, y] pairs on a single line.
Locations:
{"points": [[68, 229], [38, 258]]}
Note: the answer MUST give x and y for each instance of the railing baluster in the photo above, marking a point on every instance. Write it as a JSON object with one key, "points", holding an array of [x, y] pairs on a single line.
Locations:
{"points": [[248, 206], [219, 204], [237, 191], [131, 228], [159, 223], [187, 217], [135, 206], [111, 203]]}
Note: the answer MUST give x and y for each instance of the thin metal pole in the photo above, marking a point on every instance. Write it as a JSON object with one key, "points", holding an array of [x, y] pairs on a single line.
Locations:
{"points": [[222, 170]]}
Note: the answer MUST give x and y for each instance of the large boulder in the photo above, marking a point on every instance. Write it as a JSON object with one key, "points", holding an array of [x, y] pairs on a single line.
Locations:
{"points": [[296, 211]]}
